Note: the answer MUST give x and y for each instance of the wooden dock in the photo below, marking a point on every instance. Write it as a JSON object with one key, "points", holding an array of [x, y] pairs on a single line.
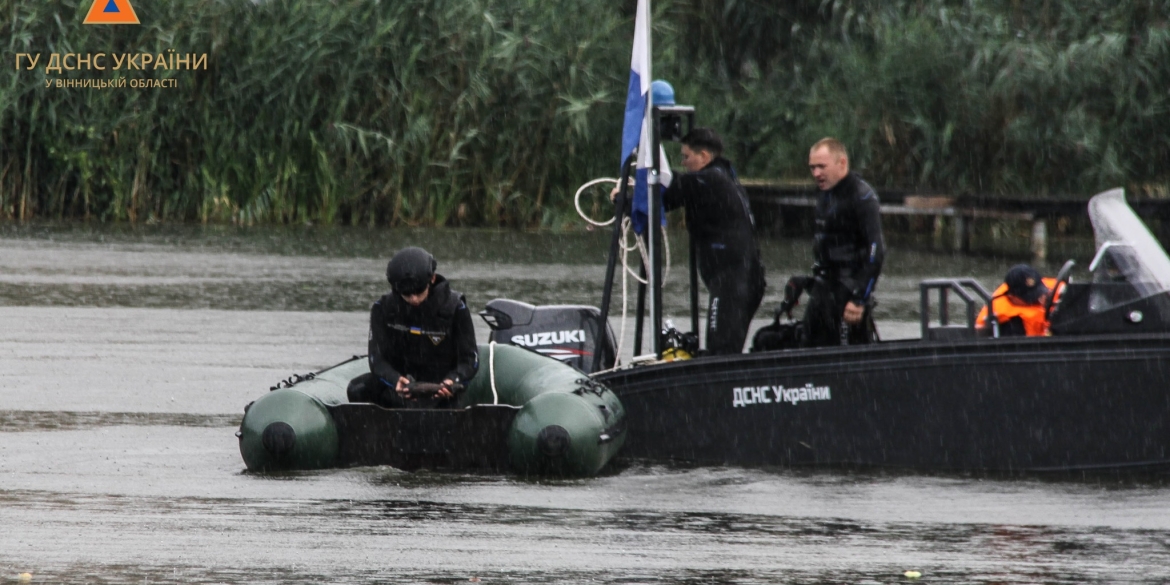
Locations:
{"points": [[775, 203]]}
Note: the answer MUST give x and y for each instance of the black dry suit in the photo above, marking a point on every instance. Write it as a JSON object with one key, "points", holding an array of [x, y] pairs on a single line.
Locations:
{"points": [[849, 250], [432, 342], [723, 233]]}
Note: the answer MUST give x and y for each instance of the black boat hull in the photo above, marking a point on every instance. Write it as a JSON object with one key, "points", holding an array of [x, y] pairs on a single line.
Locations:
{"points": [[473, 438], [1026, 404]]}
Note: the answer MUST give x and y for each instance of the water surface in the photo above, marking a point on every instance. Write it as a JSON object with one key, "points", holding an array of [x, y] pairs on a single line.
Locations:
{"points": [[127, 355]]}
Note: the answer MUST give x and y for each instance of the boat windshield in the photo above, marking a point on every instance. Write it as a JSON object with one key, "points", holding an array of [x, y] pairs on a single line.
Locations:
{"points": [[1130, 263]]}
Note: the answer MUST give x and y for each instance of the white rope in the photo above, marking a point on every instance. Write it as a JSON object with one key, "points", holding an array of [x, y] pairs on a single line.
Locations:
{"points": [[638, 245], [627, 270], [577, 200], [492, 371]]}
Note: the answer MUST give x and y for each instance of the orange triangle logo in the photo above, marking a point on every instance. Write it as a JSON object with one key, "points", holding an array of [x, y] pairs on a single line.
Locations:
{"points": [[111, 12]]}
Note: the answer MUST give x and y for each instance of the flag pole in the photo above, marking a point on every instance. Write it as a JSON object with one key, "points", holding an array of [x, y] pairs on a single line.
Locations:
{"points": [[638, 130], [654, 225]]}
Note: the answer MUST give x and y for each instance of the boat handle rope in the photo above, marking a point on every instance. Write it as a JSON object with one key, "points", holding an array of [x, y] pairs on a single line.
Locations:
{"points": [[626, 248], [292, 380], [297, 378], [589, 385], [492, 371]]}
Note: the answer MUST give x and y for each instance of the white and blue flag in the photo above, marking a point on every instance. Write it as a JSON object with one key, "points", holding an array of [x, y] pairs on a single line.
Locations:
{"points": [[635, 132]]}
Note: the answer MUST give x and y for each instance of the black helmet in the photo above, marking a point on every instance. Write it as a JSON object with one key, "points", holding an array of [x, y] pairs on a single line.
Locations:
{"points": [[1026, 283], [409, 271]]}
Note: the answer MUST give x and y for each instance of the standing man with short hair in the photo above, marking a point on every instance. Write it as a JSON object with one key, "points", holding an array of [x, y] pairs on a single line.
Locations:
{"points": [[720, 224], [848, 248]]}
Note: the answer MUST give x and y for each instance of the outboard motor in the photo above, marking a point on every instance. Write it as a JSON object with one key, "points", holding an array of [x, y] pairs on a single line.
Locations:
{"points": [[569, 333]]}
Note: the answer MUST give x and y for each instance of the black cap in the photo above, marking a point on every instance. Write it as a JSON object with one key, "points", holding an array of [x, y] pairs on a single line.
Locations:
{"points": [[1025, 282], [410, 270]]}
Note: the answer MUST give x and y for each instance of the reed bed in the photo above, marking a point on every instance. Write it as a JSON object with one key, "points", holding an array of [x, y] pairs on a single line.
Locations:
{"points": [[491, 112], [988, 97], [355, 111]]}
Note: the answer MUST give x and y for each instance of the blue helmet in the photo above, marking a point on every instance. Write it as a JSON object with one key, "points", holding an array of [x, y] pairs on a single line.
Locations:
{"points": [[662, 93]]}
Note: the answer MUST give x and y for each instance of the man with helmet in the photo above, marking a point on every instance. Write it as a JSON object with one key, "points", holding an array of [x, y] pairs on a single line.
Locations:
{"points": [[420, 332]]}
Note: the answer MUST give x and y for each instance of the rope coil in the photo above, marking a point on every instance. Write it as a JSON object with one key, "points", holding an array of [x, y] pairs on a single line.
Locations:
{"points": [[627, 271]]}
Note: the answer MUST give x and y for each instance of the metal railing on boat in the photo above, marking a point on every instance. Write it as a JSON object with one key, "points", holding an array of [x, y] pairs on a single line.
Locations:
{"points": [[963, 288]]}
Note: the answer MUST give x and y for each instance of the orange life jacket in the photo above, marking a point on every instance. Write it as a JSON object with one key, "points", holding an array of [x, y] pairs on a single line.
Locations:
{"points": [[1006, 307]]}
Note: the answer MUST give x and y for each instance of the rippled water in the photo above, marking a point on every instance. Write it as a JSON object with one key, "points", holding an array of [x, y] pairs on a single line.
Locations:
{"points": [[127, 354]]}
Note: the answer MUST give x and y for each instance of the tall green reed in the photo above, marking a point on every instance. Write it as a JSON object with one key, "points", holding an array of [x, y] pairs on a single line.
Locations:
{"points": [[491, 112], [965, 96], [434, 112]]}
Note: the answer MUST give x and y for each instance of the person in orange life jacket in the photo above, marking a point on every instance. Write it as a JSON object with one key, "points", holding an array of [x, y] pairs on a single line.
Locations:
{"points": [[720, 223], [1019, 303], [422, 330]]}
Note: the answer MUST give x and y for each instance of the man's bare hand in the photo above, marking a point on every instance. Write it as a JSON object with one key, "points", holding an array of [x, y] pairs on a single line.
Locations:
{"points": [[445, 391], [853, 313], [401, 387], [617, 187]]}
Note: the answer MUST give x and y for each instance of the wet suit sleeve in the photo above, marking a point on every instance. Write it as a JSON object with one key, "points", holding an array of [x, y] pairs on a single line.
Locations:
{"points": [[467, 352], [870, 219], [711, 193], [378, 344], [675, 196]]}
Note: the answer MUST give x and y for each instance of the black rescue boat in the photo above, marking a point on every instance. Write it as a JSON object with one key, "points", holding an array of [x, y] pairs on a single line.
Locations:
{"points": [[1093, 395]]}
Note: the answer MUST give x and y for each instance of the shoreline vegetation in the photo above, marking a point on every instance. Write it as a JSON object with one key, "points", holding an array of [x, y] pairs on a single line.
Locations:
{"points": [[492, 112]]}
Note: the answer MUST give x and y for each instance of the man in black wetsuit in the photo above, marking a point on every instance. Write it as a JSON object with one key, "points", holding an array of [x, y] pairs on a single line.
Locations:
{"points": [[721, 226], [848, 249], [422, 330]]}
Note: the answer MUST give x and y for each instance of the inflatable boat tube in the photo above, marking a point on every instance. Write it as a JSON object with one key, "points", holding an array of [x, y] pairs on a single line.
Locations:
{"points": [[292, 427], [566, 424]]}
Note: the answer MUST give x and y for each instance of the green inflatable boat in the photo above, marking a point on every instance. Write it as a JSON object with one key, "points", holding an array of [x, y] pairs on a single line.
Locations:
{"points": [[523, 412]]}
